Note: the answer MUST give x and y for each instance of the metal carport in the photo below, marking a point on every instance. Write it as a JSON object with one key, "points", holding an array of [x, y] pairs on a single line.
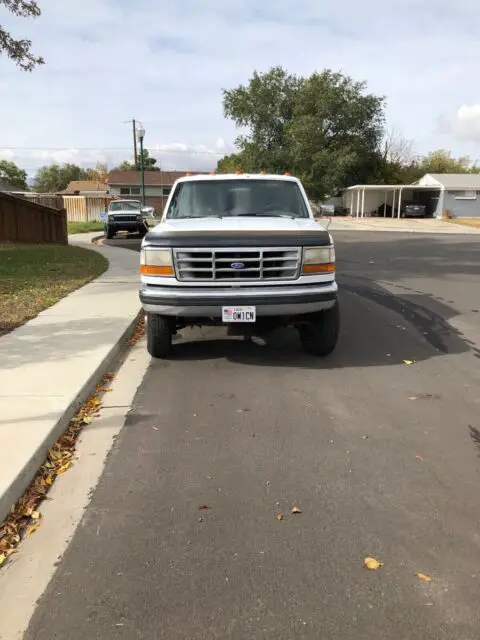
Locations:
{"points": [[354, 197]]}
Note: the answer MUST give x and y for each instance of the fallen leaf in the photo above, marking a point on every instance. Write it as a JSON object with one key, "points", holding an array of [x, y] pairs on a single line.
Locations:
{"points": [[87, 420], [424, 396], [372, 564], [3, 557], [364, 437], [155, 428], [279, 517], [31, 530], [296, 509], [420, 458], [63, 468], [408, 361], [204, 506], [423, 577], [35, 515]]}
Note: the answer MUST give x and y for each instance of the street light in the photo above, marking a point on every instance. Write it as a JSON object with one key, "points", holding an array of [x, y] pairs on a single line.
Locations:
{"points": [[140, 136]]}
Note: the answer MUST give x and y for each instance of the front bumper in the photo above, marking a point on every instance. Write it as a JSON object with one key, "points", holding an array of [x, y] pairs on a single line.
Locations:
{"points": [[125, 225], [207, 302]]}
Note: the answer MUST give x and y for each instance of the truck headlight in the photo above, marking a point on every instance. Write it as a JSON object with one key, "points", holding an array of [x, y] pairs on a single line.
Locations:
{"points": [[318, 260], [156, 262]]}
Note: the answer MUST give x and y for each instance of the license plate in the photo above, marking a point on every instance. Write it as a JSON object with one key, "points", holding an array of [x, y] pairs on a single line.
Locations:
{"points": [[239, 314]]}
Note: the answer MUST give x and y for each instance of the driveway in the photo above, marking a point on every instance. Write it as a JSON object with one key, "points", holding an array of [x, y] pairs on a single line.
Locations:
{"points": [[184, 539], [407, 225]]}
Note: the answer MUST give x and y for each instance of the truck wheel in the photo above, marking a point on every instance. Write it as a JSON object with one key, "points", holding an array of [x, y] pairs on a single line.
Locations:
{"points": [[159, 336], [109, 232], [319, 337]]}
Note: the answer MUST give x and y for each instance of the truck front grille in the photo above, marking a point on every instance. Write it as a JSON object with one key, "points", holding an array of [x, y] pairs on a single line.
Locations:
{"points": [[125, 218], [237, 264]]}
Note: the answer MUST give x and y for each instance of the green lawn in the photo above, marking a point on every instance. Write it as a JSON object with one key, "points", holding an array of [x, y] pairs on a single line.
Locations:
{"points": [[34, 277], [88, 227], [84, 227]]}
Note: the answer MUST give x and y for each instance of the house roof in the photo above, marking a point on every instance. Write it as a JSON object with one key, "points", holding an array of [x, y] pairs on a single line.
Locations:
{"points": [[9, 188], [457, 181], [85, 185], [152, 178]]}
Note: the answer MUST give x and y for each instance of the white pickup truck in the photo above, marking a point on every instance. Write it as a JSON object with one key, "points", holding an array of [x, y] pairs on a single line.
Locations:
{"points": [[241, 250]]}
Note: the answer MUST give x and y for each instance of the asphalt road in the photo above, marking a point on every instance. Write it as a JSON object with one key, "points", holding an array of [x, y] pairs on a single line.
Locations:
{"points": [[381, 457]]}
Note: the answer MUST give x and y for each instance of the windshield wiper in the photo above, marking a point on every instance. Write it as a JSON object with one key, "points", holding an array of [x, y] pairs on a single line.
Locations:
{"points": [[266, 214], [213, 215]]}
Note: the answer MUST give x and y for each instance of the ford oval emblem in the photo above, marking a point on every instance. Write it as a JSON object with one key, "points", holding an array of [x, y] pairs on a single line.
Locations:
{"points": [[237, 265]]}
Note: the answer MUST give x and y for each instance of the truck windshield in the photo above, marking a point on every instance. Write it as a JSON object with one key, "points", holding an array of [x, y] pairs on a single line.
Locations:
{"points": [[230, 198], [125, 205]]}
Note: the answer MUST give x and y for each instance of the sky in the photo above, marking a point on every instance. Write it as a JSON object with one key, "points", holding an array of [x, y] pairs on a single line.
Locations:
{"points": [[166, 62]]}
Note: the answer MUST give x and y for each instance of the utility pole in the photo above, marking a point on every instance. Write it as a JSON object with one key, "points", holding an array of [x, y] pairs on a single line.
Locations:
{"points": [[135, 154], [141, 135]]}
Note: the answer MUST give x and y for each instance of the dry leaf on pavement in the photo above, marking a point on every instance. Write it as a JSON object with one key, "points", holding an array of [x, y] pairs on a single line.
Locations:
{"points": [[372, 564], [423, 577], [425, 396], [204, 506], [296, 509], [24, 517], [408, 361], [280, 517]]}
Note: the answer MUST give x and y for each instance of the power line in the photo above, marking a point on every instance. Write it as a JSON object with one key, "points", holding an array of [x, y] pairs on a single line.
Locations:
{"points": [[150, 149]]}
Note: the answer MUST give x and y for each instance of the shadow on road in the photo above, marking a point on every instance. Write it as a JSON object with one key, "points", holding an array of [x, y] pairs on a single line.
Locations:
{"points": [[377, 330]]}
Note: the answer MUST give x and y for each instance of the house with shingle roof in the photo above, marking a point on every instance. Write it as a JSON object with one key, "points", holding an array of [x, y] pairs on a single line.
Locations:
{"points": [[158, 184], [85, 188]]}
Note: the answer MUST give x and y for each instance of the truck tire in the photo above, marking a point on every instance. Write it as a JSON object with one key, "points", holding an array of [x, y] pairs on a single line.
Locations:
{"points": [[320, 336], [159, 336], [109, 232]]}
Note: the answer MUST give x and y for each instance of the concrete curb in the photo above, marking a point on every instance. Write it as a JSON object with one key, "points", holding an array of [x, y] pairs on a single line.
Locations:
{"points": [[111, 361]]}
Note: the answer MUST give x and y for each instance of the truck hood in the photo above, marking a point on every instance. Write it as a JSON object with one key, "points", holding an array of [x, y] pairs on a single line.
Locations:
{"points": [[236, 224], [125, 212], [241, 231]]}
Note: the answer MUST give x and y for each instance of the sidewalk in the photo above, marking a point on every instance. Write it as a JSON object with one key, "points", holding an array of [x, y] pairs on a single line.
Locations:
{"points": [[51, 364], [410, 225]]}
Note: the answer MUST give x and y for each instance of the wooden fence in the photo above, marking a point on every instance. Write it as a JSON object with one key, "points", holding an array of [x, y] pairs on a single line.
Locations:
{"points": [[78, 208], [85, 208], [47, 199], [22, 220]]}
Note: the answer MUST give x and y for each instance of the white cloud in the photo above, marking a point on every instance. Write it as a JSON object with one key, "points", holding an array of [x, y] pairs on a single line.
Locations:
{"points": [[166, 64], [465, 124]]}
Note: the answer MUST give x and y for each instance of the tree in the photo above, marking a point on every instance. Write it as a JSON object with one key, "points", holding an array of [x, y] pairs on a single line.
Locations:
{"points": [[55, 177], [442, 161], [265, 107], [10, 173], [335, 133], [99, 172], [148, 164], [326, 128], [125, 166], [396, 162], [20, 50]]}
